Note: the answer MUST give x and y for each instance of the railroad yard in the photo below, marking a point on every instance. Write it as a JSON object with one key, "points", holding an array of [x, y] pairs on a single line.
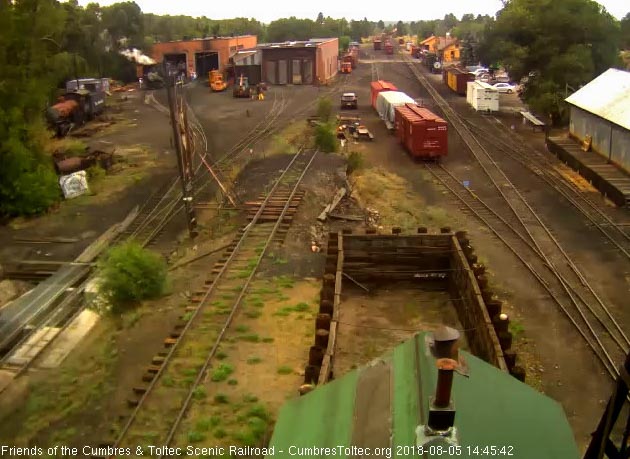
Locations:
{"points": [[256, 299]]}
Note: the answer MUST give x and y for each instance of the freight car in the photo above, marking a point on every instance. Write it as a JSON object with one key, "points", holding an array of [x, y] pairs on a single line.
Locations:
{"points": [[376, 87], [377, 44], [389, 48], [423, 134], [386, 102], [457, 79], [74, 108]]}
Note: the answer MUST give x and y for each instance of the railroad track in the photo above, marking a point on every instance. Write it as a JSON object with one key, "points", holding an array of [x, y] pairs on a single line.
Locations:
{"points": [[560, 276], [532, 159], [161, 408]]}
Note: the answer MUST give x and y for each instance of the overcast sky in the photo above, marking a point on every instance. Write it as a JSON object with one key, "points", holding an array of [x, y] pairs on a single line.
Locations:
{"points": [[267, 11]]}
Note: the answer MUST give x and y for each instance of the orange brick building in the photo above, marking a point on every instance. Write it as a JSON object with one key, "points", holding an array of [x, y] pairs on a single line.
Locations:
{"points": [[203, 54]]}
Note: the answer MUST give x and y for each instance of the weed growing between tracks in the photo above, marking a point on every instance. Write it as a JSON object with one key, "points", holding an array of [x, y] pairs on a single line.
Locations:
{"points": [[259, 347]]}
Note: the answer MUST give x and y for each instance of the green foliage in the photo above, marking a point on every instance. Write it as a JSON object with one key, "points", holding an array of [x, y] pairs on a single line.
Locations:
{"points": [[344, 42], [222, 372], [325, 138], [221, 398], [324, 108], [130, 274], [355, 162], [285, 370], [254, 360], [401, 29], [625, 32], [250, 398], [554, 44], [95, 172], [232, 382], [195, 437]]}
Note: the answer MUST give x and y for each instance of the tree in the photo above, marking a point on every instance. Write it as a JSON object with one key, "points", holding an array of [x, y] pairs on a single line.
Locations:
{"points": [[401, 28], [30, 32], [380, 25], [625, 32], [320, 18], [560, 41]]}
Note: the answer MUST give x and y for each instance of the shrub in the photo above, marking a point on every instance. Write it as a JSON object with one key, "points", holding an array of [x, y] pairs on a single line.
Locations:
{"points": [[221, 398], [222, 372], [355, 162], [285, 370], [325, 138], [130, 274], [95, 172], [324, 108]]}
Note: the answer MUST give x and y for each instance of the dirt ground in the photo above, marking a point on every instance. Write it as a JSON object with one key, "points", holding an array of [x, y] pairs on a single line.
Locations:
{"points": [[371, 324], [553, 365], [102, 372]]}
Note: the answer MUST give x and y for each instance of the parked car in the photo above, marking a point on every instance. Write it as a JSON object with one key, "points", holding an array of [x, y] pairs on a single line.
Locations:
{"points": [[349, 100], [505, 87]]}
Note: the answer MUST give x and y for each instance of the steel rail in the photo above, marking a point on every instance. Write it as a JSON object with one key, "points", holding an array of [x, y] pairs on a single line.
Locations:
{"points": [[466, 136], [242, 294], [125, 429], [606, 360], [567, 190]]}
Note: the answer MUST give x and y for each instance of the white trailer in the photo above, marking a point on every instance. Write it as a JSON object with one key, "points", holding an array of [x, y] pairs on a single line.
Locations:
{"points": [[385, 103], [482, 96]]}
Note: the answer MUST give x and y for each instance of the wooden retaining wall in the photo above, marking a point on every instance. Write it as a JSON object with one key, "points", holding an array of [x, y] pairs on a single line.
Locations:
{"points": [[446, 260]]}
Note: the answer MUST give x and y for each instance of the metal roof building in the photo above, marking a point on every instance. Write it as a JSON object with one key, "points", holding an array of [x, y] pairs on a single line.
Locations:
{"points": [[387, 405], [601, 109]]}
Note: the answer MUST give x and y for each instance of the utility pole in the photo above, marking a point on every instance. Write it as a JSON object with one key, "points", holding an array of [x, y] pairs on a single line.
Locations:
{"points": [[180, 130]]}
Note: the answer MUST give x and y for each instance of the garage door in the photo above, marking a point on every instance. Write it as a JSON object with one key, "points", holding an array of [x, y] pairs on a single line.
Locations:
{"points": [[296, 71], [282, 72], [308, 72], [270, 72]]}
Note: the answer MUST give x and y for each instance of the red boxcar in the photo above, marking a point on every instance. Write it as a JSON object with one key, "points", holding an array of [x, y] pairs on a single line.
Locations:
{"points": [[423, 133], [377, 44], [389, 48], [378, 86]]}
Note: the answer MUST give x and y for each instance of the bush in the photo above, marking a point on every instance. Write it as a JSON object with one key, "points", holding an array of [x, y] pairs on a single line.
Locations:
{"points": [[355, 162], [130, 274], [324, 108], [95, 172], [325, 139]]}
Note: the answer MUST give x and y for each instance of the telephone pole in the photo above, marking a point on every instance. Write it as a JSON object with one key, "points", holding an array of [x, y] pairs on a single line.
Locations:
{"points": [[181, 139]]}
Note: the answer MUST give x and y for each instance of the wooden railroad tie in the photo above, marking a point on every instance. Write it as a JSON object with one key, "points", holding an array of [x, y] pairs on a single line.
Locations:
{"points": [[168, 342]]}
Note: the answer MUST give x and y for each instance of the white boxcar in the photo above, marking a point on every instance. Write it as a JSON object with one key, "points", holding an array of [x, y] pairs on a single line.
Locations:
{"points": [[482, 96], [385, 103]]}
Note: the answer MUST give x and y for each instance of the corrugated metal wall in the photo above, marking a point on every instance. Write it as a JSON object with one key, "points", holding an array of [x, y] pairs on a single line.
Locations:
{"points": [[621, 147], [584, 123]]}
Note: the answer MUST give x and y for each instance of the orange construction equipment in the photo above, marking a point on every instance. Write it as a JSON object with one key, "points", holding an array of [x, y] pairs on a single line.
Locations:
{"points": [[215, 81], [346, 67]]}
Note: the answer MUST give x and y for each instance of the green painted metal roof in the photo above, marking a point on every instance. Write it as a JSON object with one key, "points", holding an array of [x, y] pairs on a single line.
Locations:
{"points": [[380, 406]]}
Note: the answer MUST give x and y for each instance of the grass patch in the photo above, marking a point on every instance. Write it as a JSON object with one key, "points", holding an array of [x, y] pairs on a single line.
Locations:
{"points": [[283, 312], [254, 360], [265, 291], [516, 328], [232, 382], [219, 303], [242, 328], [258, 303], [222, 372], [219, 433], [195, 437], [167, 381], [252, 338], [221, 355], [268, 340], [301, 307], [186, 317], [250, 398], [253, 313], [285, 370], [284, 281], [206, 424], [221, 398], [199, 393]]}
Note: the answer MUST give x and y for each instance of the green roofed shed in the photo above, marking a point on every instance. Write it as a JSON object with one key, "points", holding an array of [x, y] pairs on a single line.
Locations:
{"points": [[382, 404]]}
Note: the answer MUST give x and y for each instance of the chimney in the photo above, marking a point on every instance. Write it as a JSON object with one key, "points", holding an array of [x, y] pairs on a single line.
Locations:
{"points": [[441, 407]]}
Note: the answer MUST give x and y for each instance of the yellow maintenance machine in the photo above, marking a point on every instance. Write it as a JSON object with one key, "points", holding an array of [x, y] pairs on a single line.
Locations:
{"points": [[215, 80]]}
